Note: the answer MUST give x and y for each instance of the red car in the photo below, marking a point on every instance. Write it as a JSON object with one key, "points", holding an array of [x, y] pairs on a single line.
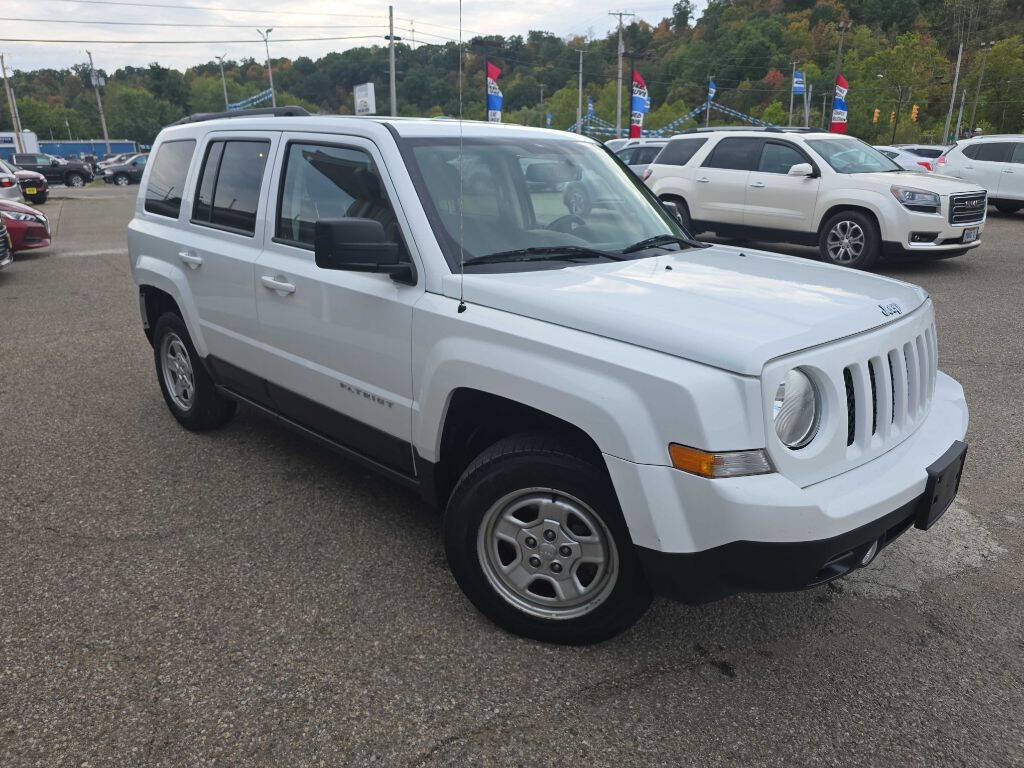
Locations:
{"points": [[27, 227]]}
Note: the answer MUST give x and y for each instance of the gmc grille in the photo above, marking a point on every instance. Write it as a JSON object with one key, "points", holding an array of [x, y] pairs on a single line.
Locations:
{"points": [[967, 209]]}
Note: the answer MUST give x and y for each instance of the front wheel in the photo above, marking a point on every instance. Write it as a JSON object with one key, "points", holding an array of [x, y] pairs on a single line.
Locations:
{"points": [[121, 180], [850, 239], [75, 180], [535, 538]]}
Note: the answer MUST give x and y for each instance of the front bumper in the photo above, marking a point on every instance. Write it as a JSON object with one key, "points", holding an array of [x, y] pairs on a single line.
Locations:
{"points": [[912, 234], [702, 539]]}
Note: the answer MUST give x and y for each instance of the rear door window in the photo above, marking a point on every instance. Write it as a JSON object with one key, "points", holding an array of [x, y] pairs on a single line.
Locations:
{"points": [[167, 179], [230, 183], [994, 151], [645, 155], [679, 151], [735, 153], [1018, 152]]}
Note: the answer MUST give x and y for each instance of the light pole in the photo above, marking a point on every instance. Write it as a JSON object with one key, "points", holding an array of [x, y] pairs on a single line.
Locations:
{"points": [[392, 39], [270, 72], [223, 81], [99, 102], [13, 107], [579, 100], [618, 91], [985, 48]]}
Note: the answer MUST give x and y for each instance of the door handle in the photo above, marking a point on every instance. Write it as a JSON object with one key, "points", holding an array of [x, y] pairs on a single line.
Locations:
{"points": [[191, 259], [702, 179], [278, 284], [758, 185], [1007, 170]]}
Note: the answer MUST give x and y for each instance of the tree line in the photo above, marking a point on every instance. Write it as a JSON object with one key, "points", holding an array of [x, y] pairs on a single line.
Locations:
{"points": [[896, 54]]}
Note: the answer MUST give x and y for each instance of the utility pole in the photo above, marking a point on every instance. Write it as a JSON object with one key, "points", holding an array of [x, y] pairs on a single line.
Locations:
{"points": [[579, 100], [843, 26], [223, 81], [985, 47], [792, 84], [959, 117], [618, 90], [952, 95], [899, 106], [10, 105], [391, 59], [824, 106], [68, 126], [99, 101], [808, 95], [265, 34]]}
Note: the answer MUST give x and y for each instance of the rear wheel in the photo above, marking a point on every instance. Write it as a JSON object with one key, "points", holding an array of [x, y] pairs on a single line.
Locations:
{"points": [[187, 388], [536, 539], [577, 200], [684, 213], [850, 239], [121, 180], [75, 180]]}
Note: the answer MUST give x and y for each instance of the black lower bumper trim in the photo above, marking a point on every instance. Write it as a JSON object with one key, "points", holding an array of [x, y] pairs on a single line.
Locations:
{"points": [[758, 566]]}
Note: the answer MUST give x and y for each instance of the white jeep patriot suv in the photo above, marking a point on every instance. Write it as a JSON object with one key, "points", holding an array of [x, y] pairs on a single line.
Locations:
{"points": [[603, 407], [814, 188]]}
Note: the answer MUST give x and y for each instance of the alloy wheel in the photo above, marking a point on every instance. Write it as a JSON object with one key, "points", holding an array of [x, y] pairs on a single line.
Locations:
{"points": [[179, 377], [845, 242]]}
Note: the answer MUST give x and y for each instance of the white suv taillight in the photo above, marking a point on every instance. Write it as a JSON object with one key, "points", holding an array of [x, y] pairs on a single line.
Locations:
{"points": [[646, 174], [941, 160]]}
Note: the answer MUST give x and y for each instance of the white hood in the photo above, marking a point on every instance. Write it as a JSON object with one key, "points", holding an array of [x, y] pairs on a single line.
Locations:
{"points": [[733, 308], [929, 182]]}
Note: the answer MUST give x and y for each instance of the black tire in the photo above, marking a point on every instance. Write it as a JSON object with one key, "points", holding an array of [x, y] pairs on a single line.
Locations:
{"points": [[40, 199], [684, 213], [853, 221], [122, 180], [1008, 208], [577, 200], [208, 409], [525, 463], [74, 180]]}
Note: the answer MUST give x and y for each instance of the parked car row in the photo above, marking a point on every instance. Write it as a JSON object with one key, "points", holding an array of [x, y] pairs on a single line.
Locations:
{"points": [[22, 227]]}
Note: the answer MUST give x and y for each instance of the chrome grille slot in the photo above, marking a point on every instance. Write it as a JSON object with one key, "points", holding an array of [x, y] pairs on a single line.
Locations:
{"points": [[968, 208], [851, 407], [874, 398]]}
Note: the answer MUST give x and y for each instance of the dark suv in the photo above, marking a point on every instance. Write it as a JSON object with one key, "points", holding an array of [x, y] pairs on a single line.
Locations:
{"points": [[128, 172], [73, 173]]}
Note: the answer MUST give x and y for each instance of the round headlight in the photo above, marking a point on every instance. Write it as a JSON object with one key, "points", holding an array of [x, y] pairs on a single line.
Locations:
{"points": [[795, 410]]}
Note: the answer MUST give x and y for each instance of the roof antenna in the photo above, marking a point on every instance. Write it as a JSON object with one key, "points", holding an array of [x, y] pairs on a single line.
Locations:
{"points": [[462, 228]]}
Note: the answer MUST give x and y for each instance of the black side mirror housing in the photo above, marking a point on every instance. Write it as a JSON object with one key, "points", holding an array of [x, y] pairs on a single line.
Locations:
{"points": [[359, 245], [54, 163], [673, 210]]}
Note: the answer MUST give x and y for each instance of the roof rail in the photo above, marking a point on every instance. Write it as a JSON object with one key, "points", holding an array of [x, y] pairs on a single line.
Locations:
{"points": [[200, 117]]}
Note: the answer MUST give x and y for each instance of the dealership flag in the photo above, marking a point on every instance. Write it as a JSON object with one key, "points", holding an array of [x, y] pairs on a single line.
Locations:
{"points": [[839, 110], [639, 105], [711, 90], [590, 106], [493, 94]]}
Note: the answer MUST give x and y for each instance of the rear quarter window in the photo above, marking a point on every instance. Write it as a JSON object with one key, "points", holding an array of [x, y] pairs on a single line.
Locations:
{"points": [[679, 151], [167, 177]]}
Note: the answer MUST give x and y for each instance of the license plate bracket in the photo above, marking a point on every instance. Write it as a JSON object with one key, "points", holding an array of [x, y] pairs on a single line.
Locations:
{"points": [[970, 234], [943, 483]]}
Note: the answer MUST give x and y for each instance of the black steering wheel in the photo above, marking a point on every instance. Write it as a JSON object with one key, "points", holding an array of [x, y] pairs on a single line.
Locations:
{"points": [[564, 223]]}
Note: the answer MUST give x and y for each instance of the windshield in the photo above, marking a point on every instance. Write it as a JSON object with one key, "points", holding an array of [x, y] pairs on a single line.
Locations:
{"points": [[852, 156], [521, 194]]}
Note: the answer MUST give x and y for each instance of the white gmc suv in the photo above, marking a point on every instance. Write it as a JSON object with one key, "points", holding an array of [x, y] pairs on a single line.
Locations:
{"points": [[603, 407], [814, 188]]}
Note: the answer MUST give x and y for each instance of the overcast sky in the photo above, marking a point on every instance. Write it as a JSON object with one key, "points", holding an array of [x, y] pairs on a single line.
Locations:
{"points": [[362, 21]]}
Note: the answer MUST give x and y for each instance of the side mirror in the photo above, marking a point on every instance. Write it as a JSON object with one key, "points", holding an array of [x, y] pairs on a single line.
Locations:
{"points": [[54, 163], [358, 245], [673, 210], [801, 169]]}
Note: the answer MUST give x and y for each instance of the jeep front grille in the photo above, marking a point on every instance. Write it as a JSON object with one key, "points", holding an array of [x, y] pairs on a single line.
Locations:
{"points": [[968, 208], [893, 389]]}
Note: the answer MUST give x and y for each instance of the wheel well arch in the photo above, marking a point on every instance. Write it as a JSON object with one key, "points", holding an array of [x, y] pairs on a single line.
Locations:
{"points": [[155, 302], [475, 420], [840, 207], [671, 197]]}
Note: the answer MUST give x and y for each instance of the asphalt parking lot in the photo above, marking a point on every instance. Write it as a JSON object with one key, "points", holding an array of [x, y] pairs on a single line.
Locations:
{"points": [[246, 598]]}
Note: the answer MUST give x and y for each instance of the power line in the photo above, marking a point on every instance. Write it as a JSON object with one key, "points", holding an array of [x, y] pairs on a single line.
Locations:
{"points": [[219, 9], [184, 42], [184, 24]]}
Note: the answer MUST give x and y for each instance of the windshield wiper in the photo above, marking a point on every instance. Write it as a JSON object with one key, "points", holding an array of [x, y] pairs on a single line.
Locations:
{"points": [[543, 253], [654, 242]]}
